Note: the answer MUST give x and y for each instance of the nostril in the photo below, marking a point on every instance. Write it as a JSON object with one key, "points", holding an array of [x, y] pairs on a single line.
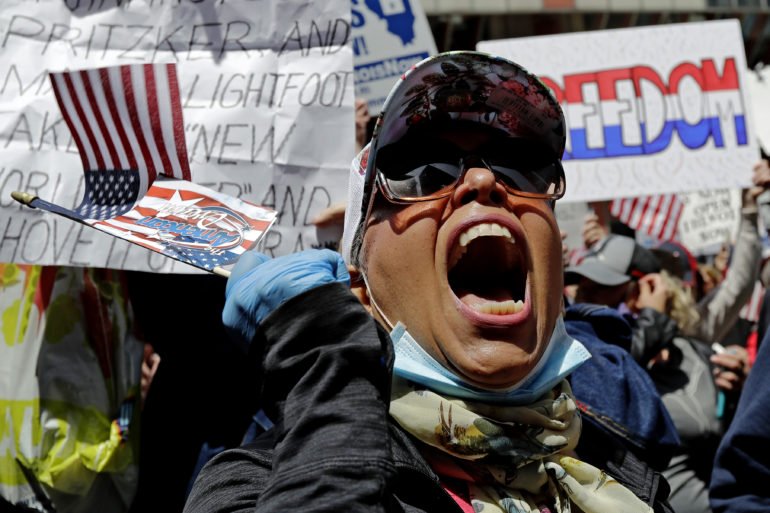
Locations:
{"points": [[497, 197], [469, 196]]}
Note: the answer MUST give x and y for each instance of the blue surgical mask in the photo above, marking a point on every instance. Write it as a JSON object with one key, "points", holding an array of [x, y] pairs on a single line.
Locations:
{"points": [[563, 355]]}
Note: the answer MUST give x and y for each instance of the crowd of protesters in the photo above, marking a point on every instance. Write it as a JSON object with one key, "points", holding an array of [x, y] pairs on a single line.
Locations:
{"points": [[679, 323], [451, 357]]}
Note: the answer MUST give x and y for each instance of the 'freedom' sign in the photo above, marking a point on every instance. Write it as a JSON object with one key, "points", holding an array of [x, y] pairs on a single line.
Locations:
{"points": [[649, 110]]}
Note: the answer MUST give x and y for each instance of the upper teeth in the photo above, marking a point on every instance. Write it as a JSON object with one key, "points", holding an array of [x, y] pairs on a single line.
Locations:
{"points": [[474, 232]]}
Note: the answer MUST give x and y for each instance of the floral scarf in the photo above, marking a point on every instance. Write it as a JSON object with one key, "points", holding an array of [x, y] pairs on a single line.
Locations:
{"points": [[512, 459]]}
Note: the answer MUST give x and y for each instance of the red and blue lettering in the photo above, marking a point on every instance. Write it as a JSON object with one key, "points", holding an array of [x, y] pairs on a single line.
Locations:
{"points": [[635, 111]]}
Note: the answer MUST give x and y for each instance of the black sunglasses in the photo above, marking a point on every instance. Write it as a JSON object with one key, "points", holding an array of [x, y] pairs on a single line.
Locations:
{"points": [[424, 169]]}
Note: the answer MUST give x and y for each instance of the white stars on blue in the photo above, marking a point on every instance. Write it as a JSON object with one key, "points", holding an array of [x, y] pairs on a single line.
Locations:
{"points": [[200, 258], [109, 193]]}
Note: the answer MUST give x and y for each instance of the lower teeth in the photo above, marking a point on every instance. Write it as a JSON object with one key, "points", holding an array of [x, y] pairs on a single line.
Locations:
{"points": [[501, 307]]}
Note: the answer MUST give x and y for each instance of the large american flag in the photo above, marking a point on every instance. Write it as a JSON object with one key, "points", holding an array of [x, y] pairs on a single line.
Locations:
{"points": [[655, 216], [128, 127]]}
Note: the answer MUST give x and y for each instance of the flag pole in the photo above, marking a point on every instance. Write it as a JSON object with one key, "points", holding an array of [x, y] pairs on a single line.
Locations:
{"points": [[24, 198], [27, 199], [219, 271]]}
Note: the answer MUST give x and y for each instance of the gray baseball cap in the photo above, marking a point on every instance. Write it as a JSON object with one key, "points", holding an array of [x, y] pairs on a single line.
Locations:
{"points": [[614, 261]]}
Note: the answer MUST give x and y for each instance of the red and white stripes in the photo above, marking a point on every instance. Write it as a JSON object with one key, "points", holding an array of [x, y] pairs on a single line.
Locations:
{"points": [[126, 117], [655, 216]]}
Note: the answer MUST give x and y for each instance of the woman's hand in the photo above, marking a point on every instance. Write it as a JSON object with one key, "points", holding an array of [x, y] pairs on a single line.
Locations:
{"points": [[260, 284], [761, 180], [732, 367], [150, 362], [761, 176], [653, 293], [593, 230]]}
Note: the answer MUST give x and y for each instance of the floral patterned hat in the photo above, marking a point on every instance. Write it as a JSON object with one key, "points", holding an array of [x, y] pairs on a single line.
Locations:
{"points": [[467, 86]]}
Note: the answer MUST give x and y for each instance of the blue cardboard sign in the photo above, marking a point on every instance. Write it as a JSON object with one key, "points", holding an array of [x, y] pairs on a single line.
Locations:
{"points": [[389, 37]]}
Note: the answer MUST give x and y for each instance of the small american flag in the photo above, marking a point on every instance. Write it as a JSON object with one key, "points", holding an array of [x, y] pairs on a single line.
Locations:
{"points": [[127, 124], [654, 216], [128, 127]]}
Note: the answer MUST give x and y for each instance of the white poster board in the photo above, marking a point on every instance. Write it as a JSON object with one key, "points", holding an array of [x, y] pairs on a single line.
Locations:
{"points": [[388, 37], [710, 219], [650, 110], [571, 217], [758, 82], [267, 95]]}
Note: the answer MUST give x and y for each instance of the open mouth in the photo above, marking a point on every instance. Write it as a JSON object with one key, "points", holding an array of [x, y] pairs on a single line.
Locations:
{"points": [[488, 271]]}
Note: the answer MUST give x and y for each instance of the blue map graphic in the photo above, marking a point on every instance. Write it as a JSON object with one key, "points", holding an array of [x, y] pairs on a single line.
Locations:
{"points": [[400, 24]]}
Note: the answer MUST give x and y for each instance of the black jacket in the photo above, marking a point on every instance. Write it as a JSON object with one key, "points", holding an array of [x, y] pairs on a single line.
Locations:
{"points": [[652, 331], [327, 371]]}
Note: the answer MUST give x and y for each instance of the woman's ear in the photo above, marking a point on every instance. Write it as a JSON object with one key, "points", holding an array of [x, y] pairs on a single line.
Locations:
{"points": [[358, 287]]}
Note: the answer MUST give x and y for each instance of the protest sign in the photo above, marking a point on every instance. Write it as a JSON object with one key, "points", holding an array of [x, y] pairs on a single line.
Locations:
{"points": [[758, 82], [388, 36], [267, 102], [650, 110], [570, 217], [709, 219]]}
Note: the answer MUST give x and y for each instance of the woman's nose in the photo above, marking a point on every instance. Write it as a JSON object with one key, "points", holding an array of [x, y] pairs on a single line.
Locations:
{"points": [[479, 184]]}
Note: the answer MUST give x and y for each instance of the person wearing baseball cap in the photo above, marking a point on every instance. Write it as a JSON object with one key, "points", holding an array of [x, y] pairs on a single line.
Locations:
{"points": [[606, 273], [621, 274], [615, 260], [438, 384]]}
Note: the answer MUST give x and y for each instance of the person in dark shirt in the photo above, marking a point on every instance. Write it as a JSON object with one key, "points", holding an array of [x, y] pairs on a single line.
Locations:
{"points": [[430, 375]]}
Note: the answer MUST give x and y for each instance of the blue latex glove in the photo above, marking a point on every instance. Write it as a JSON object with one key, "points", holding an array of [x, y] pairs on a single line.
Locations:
{"points": [[259, 284]]}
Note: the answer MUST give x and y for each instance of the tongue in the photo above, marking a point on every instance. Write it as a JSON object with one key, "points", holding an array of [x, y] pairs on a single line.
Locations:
{"points": [[478, 297]]}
